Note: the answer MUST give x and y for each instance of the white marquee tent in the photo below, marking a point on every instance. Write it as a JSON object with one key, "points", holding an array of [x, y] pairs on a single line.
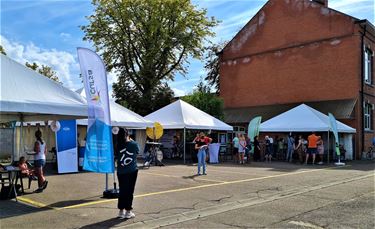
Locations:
{"points": [[302, 119], [28, 96], [121, 116], [182, 115], [306, 119]]}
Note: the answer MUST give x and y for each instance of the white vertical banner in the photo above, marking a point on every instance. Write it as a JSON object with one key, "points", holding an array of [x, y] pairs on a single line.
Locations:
{"points": [[99, 150]]}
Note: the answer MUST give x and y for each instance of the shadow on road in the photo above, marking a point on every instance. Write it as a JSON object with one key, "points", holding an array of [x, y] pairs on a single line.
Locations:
{"points": [[105, 224]]}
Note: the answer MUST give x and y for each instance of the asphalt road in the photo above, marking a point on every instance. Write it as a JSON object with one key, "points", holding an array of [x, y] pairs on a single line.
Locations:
{"points": [[259, 195]]}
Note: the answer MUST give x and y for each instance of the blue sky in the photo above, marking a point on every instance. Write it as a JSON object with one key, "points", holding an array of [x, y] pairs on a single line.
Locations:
{"points": [[47, 32]]}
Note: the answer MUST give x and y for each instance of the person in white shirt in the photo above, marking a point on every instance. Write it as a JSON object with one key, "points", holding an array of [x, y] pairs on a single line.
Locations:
{"points": [[40, 150]]}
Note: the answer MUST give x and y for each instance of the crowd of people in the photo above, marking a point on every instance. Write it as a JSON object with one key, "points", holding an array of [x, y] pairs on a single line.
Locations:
{"points": [[290, 148]]}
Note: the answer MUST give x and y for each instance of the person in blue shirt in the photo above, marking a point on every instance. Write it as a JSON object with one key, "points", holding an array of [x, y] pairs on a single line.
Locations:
{"points": [[236, 145], [127, 172]]}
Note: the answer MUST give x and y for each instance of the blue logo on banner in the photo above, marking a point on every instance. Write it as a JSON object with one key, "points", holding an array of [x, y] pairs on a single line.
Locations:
{"points": [[99, 151]]}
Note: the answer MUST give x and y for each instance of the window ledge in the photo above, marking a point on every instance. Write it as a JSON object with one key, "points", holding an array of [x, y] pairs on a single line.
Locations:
{"points": [[368, 84], [369, 131]]}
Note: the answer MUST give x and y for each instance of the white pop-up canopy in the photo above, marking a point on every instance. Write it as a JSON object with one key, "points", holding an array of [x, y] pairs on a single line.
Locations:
{"points": [[181, 115], [302, 119], [26, 95], [120, 116]]}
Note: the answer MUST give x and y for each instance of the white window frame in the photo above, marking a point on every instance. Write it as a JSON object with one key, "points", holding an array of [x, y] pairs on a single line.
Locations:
{"points": [[368, 112], [368, 65]]}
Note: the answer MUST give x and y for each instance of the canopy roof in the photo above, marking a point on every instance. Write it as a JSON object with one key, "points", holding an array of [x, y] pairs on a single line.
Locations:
{"points": [[180, 114], [302, 119], [120, 116], [27, 94]]}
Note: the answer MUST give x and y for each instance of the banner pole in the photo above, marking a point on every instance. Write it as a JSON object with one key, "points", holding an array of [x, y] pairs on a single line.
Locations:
{"points": [[106, 181], [328, 147]]}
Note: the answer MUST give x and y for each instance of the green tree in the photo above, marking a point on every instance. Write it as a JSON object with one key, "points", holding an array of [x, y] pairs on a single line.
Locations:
{"points": [[147, 42], [212, 65], [206, 101], [2, 50], [44, 70]]}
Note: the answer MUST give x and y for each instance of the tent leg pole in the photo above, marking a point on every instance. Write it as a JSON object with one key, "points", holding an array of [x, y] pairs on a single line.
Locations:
{"points": [[328, 147], [21, 142], [184, 145]]}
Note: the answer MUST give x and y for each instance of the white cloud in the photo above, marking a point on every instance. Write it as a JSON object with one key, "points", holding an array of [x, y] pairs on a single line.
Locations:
{"points": [[356, 8], [179, 92], [347, 3], [62, 62], [111, 78], [65, 35]]}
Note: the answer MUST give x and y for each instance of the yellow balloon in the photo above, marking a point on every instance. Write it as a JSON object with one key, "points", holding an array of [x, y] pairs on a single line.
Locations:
{"points": [[150, 132], [155, 132], [158, 130]]}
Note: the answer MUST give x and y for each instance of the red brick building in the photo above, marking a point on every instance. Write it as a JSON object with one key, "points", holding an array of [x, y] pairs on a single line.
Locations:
{"points": [[301, 51]]}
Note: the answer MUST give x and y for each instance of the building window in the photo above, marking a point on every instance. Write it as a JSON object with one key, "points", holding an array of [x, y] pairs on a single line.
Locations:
{"points": [[368, 65], [368, 116], [238, 129]]}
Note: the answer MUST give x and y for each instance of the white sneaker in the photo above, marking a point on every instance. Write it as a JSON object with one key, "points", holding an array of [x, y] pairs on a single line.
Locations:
{"points": [[129, 215], [121, 214]]}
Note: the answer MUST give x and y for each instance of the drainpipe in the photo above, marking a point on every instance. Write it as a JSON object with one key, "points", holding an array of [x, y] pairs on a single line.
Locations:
{"points": [[362, 89], [363, 34]]}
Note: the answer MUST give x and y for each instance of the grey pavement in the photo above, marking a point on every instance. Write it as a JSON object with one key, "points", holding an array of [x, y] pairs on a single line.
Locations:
{"points": [[258, 195]]}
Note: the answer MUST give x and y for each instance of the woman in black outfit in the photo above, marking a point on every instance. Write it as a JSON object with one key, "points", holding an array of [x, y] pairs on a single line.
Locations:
{"points": [[256, 149]]}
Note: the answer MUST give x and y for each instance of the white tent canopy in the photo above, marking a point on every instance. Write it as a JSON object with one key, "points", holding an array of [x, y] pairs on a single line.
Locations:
{"points": [[181, 115], [27, 95], [302, 119], [120, 116]]}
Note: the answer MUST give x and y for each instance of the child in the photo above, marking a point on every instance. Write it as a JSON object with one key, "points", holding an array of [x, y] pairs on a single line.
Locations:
{"points": [[25, 171]]}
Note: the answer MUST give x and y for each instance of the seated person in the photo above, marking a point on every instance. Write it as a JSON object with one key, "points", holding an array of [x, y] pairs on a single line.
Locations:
{"points": [[25, 171]]}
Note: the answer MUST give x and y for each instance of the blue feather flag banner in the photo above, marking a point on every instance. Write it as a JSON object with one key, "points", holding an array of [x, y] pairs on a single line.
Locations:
{"points": [[99, 149]]}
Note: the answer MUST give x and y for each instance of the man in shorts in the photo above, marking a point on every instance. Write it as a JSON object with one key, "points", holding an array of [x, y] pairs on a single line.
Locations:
{"points": [[312, 147]]}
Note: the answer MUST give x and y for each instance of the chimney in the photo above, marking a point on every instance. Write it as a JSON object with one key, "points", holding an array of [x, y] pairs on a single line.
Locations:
{"points": [[322, 2]]}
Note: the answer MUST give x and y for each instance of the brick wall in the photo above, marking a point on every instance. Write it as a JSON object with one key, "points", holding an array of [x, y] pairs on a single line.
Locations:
{"points": [[295, 51], [320, 71]]}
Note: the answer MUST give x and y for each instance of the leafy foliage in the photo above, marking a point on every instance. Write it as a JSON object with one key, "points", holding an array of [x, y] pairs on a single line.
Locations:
{"points": [[2, 50], [206, 101], [147, 42], [212, 65], [44, 70]]}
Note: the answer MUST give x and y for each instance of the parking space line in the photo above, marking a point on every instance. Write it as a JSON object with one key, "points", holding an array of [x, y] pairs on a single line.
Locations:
{"points": [[33, 202], [191, 188], [87, 204]]}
